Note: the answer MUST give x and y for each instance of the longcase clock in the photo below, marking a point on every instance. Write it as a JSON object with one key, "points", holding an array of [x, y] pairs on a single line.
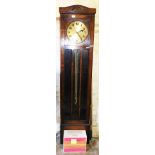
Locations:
{"points": [[76, 43]]}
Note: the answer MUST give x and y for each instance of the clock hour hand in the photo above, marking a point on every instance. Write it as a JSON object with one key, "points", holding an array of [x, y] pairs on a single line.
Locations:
{"points": [[79, 35]]}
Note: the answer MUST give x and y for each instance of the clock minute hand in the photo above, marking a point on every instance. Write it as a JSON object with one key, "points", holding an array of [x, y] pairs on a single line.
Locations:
{"points": [[77, 32]]}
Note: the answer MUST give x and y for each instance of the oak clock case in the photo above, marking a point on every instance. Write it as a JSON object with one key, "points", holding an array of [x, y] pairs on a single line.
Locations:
{"points": [[76, 42]]}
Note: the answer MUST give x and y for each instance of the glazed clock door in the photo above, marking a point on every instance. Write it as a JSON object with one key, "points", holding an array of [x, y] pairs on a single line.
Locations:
{"points": [[75, 84]]}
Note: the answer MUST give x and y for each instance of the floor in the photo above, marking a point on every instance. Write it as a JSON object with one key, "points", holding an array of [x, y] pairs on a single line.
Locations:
{"points": [[92, 148]]}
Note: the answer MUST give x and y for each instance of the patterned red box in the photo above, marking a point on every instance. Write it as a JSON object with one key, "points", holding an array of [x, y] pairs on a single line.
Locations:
{"points": [[74, 141]]}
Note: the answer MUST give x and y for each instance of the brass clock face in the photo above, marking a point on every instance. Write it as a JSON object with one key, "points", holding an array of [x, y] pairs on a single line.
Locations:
{"points": [[77, 32]]}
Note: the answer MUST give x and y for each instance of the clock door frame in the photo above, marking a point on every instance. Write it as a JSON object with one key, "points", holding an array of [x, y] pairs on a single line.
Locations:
{"points": [[87, 16]]}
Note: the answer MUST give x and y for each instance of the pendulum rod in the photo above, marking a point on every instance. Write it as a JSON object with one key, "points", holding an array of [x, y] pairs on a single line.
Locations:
{"points": [[76, 75]]}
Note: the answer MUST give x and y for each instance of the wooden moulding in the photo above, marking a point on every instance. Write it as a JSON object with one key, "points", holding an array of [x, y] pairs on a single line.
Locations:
{"points": [[77, 9]]}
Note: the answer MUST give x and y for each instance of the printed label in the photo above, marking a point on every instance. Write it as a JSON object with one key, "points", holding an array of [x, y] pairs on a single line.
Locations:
{"points": [[73, 141]]}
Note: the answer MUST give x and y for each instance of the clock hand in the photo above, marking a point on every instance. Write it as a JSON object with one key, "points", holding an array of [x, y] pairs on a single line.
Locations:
{"points": [[79, 35], [78, 32]]}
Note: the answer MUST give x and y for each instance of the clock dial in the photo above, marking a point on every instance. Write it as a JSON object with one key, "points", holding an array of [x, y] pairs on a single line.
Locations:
{"points": [[77, 32]]}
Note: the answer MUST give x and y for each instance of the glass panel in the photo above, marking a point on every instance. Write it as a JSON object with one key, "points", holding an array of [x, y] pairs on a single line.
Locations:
{"points": [[84, 85], [67, 83], [75, 89]]}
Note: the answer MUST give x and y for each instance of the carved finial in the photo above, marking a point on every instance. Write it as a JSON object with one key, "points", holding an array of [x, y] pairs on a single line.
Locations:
{"points": [[77, 9]]}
